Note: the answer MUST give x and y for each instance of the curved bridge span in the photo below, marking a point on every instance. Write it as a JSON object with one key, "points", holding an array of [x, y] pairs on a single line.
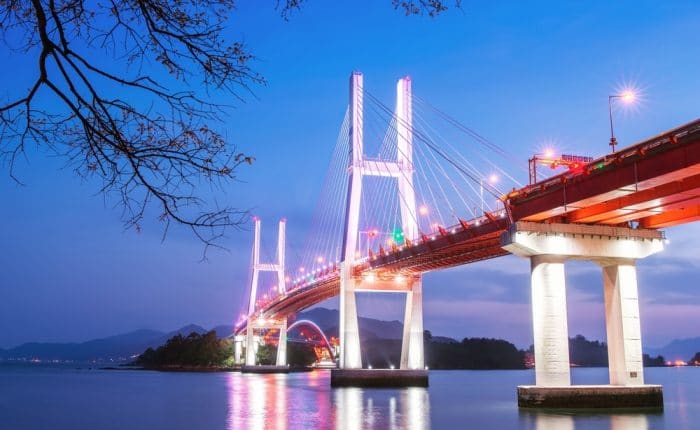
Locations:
{"points": [[665, 192]]}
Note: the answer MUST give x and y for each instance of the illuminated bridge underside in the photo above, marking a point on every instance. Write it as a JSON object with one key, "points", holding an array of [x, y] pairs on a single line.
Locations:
{"points": [[465, 245], [655, 183]]}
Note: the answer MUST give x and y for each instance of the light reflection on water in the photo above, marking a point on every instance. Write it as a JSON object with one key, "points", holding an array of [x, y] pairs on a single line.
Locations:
{"points": [[306, 401], [357, 408], [561, 421], [261, 402], [75, 399]]}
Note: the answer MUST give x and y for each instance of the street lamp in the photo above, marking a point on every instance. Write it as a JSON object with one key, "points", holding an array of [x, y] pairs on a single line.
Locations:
{"points": [[627, 97]]}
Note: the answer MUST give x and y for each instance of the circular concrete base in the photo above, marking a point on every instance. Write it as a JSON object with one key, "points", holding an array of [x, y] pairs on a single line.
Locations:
{"points": [[591, 397], [379, 378]]}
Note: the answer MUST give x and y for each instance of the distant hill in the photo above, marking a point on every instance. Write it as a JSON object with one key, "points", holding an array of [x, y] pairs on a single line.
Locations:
{"points": [[125, 346], [114, 348], [678, 349], [327, 319]]}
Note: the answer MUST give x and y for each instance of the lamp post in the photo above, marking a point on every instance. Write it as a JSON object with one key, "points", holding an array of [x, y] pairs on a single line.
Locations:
{"points": [[627, 96]]}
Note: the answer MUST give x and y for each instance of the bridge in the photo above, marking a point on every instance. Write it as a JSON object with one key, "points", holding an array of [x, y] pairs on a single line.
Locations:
{"points": [[422, 205]]}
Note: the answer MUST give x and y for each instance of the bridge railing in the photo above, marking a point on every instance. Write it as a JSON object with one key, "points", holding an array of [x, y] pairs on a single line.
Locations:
{"points": [[658, 142]]}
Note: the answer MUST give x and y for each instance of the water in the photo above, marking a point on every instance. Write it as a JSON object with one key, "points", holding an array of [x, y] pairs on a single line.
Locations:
{"points": [[66, 398]]}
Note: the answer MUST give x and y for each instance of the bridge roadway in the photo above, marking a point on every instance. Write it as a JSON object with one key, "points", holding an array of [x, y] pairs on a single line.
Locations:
{"points": [[655, 183]]}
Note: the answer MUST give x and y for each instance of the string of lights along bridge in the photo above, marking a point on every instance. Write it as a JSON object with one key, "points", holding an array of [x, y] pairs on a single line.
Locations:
{"points": [[409, 189]]}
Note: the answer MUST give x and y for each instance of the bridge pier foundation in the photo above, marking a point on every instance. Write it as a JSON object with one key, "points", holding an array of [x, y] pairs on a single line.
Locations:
{"points": [[615, 249]]}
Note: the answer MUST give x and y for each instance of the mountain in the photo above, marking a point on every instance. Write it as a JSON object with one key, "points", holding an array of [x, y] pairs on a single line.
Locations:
{"points": [[223, 331], [114, 348], [678, 349], [125, 346]]}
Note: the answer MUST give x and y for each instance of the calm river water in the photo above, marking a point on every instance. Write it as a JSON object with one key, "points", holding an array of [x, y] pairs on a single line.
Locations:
{"points": [[56, 398]]}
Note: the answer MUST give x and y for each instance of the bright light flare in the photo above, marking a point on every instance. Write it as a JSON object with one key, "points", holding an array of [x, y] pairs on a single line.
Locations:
{"points": [[628, 96], [423, 210], [320, 259], [631, 97], [493, 178]]}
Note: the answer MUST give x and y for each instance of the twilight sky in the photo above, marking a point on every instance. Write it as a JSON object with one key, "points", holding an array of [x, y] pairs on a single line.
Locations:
{"points": [[520, 74]]}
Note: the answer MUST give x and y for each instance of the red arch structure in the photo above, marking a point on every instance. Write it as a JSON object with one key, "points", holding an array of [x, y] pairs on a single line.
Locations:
{"points": [[313, 325]]}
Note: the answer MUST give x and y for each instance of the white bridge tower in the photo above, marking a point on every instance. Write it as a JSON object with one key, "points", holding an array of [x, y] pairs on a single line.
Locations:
{"points": [[263, 323], [402, 169]]}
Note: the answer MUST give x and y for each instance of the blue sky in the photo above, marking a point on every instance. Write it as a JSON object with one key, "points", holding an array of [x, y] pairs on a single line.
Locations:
{"points": [[520, 74]]}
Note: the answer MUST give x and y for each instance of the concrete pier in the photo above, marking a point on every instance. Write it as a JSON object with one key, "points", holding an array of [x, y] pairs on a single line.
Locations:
{"points": [[615, 250], [591, 397], [378, 378]]}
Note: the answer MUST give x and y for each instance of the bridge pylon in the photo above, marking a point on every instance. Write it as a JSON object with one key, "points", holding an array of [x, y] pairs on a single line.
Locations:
{"points": [[412, 355], [259, 322]]}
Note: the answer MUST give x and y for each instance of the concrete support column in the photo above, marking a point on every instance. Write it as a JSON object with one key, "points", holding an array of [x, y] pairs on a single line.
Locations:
{"points": [[350, 355], [412, 348], [250, 349], [282, 346], [237, 349], [549, 319], [625, 361]]}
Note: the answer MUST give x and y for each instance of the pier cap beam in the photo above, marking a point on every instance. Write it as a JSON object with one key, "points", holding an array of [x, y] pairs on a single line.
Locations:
{"points": [[600, 243]]}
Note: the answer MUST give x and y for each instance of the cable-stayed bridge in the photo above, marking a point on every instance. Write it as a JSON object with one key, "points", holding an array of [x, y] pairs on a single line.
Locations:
{"points": [[402, 197]]}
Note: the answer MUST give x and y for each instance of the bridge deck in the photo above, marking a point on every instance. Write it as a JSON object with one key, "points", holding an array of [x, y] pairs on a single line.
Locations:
{"points": [[655, 183]]}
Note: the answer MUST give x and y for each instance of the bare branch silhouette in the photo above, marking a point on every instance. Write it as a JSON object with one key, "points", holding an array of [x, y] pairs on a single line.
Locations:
{"points": [[147, 136]]}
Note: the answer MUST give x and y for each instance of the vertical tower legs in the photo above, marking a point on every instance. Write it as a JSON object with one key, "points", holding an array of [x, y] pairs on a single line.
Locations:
{"points": [[412, 348], [250, 347], [282, 345], [350, 355], [238, 349], [622, 324], [551, 333]]}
